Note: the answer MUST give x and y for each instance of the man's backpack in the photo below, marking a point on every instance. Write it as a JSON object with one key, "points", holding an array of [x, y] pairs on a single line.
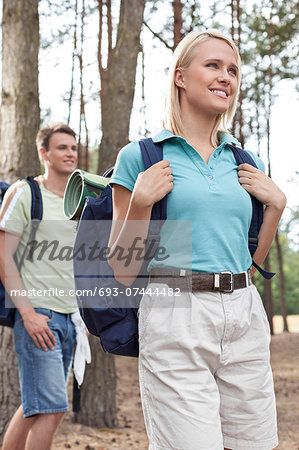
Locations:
{"points": [[108, 308], [7, 308]]}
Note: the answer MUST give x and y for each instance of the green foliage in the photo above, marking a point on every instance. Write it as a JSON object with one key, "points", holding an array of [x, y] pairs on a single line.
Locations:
{"points": [[269, 51], [93, 160], [269, 46], [291, 274]]}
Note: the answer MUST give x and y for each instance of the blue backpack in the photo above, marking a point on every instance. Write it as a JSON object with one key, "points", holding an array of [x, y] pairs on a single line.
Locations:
{"points": [[7, 308], [108, 308]]}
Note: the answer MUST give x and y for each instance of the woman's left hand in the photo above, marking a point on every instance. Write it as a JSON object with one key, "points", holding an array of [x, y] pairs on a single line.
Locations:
{"points": [[255, 182]]}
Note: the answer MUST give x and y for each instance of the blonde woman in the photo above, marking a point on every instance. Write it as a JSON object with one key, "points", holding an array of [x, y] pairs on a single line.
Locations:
{"points": [[205, 377]]}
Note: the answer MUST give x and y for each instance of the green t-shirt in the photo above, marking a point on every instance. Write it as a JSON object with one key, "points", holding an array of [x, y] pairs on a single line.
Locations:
{"points": [[48, 279]]}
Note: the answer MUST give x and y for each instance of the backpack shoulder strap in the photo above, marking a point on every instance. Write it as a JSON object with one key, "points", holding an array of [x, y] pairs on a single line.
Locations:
{"points": [[3, 187], [36, 198], [241, 157], [36, 213], [151, 154], [108, 173]]}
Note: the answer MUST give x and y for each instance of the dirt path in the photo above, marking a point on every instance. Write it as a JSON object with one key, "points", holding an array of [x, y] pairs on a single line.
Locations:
{"points": [[285, 364], [131, 435]]}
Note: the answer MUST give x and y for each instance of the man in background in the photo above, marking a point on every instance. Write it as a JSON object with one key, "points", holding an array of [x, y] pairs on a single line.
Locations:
{"points": [[44, 332]]}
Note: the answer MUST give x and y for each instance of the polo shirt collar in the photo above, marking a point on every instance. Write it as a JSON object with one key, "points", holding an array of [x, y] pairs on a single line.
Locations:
{"points": [[164, 135], [226, 138]]}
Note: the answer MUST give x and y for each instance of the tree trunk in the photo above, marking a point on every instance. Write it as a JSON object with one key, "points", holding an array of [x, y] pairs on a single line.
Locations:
{"points": [[118, 83], [237, 124], [282, 299], [267, 283], [97, 402], [98, 406], [267, 297], [82, 148], [20, 103], [73, 66], [178, 22], [19, 123], [9, 381]]}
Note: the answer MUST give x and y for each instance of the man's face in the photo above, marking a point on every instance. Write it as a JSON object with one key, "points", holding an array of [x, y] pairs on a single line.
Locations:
{"points": [[62, 155]]}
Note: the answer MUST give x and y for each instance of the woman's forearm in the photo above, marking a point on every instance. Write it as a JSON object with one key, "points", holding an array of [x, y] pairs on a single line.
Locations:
{"points": [[128, 235], [127, 242]]}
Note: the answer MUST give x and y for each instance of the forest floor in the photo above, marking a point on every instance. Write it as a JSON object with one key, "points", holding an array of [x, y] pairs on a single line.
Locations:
{"points": [[131, 434]]}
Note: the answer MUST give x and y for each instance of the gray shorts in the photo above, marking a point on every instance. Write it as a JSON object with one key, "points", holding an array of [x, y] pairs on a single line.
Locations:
{"points": [[205, 376]]}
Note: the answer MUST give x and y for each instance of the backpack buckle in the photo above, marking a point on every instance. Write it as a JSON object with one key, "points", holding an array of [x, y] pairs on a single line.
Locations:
{"points": [[231, 282]]}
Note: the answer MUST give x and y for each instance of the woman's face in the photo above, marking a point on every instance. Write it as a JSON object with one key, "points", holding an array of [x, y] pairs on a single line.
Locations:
{"points": [[210, 82]]}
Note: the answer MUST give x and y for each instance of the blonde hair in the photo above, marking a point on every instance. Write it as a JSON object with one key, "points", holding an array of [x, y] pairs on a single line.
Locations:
{"points": [[182, 58]]}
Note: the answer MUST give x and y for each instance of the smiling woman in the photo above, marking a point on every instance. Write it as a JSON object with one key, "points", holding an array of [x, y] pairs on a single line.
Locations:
{"points": [[205, 377], [208, 88], [194, 61]]}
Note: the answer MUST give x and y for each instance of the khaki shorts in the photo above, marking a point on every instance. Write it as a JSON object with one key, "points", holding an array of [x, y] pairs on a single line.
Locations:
{"points": [[205, 376]]}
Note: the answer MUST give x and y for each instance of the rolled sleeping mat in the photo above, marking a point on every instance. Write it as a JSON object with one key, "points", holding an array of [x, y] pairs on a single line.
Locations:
{"points": [[80, 185]]}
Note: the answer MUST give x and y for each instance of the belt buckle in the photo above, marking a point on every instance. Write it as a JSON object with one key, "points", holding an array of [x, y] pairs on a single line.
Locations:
{"points": [[229, 291]]}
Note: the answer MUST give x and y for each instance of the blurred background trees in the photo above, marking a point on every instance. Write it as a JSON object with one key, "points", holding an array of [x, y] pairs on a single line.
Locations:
{"points": [[19, 123], [102, 68]]}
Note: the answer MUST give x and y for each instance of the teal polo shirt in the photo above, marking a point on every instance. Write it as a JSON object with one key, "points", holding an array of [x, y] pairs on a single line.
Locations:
{"points": [[208, 212]]}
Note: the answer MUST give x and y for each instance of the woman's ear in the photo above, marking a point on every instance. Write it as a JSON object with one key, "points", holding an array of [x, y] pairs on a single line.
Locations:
{"points": [[179, 78]]}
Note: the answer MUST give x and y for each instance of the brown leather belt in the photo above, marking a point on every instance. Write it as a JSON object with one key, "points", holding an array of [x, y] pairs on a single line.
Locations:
{"points": [[214, 282]]}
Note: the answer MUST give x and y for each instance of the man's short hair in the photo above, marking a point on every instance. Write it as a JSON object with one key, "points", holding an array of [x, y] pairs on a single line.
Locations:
{"points": [[44, 134]]}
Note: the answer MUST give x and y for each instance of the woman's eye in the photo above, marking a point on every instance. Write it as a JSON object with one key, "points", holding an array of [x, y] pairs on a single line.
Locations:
{"points": [[212, 65], [233, 71]]}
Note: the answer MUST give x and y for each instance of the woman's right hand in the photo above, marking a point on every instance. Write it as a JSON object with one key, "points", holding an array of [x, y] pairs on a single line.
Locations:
{"points": [[153, 184]]}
